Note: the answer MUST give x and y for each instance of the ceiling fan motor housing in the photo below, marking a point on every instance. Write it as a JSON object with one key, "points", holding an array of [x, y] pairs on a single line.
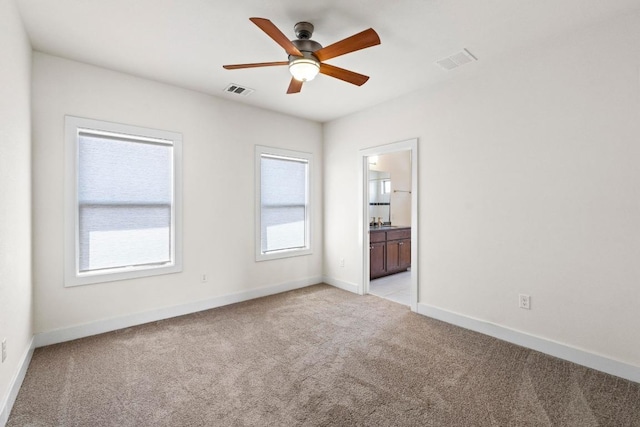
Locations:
{"points": [[307, 46], [303, 30]]}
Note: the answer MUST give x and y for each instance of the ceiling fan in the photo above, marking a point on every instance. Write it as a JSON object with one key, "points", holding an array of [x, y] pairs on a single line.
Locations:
{"points": [[306, 56]]}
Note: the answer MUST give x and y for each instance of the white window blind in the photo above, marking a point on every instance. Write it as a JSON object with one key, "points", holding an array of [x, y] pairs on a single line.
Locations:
{"points": [[123, 196], [124, 199], [283, 203]]}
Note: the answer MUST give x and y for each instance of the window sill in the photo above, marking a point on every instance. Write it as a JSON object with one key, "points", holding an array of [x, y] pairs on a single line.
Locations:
{"points": [[79, 279], [282, 254]]}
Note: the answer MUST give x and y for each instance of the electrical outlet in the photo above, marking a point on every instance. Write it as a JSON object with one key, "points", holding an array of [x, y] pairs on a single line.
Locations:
{"points": [[4, 350], [341, 262], [204, 278], [524, 301]]}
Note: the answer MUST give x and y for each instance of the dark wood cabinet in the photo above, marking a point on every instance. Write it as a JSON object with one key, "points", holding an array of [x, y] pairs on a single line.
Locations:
{"points": [[404, 254], [390, 251], [377, 262], [393, 255]]}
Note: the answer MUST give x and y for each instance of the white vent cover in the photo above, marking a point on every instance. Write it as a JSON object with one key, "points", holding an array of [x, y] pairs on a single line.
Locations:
{"points": [[456, 60], [238, 90]]}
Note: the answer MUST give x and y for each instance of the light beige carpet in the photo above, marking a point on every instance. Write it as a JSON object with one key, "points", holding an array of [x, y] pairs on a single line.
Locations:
{"points": [[317, 356]]}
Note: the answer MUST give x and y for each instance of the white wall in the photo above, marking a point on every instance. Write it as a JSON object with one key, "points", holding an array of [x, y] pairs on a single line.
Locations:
{"points": [[15, 195], [218, 149], [529, 183]]}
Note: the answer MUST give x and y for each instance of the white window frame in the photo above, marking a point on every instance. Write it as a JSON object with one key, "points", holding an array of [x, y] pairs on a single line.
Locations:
{"points": [[287, 154], [72, 274]]}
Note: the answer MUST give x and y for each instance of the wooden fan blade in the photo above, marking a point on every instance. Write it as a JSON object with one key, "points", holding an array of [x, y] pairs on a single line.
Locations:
{"points": [[277, 35], [342, 74], [295, 86], [362, 40], [254, 65]]}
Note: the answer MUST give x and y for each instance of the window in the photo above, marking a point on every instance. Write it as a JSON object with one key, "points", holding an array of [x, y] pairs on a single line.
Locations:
{"points": [[282, 203], [386, 187], [123, 202]]}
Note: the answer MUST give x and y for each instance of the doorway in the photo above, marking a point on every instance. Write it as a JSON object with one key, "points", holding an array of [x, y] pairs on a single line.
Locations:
{"points": [[389, 222]]}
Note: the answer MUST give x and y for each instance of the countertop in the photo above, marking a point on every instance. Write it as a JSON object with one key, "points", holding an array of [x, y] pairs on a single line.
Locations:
{"points": [[388, 227]]}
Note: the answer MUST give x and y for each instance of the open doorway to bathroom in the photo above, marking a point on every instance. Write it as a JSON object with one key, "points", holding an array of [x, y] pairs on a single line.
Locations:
{"points": [[390, 226], [390, 223]]}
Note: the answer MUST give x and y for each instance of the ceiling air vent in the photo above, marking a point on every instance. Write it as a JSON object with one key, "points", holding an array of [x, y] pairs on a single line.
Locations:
{"points": [[456, 60], [239, 90]]}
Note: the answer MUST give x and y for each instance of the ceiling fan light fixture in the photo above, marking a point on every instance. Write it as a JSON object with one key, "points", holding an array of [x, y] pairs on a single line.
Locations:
{"points": [[304, 69]]}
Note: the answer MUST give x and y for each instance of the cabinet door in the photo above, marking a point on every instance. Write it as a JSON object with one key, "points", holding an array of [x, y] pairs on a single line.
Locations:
{"points": [[393, 256], [404, 254], [377, 260], [398, 255]]}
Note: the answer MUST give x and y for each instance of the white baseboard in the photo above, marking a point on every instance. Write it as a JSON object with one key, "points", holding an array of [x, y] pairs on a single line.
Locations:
{"points": [[561, 351], [341, 284], [108, 325], [14, 386]]}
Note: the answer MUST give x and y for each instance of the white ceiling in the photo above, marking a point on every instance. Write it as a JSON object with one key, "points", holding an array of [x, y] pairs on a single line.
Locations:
{"points": [[186, 42]]}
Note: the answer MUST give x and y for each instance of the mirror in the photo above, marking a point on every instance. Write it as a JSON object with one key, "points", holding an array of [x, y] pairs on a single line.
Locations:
{"points": [[380, 196]]}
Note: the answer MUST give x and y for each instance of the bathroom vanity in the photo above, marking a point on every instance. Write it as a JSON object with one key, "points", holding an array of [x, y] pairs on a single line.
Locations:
{"points": [[389, 250]]}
